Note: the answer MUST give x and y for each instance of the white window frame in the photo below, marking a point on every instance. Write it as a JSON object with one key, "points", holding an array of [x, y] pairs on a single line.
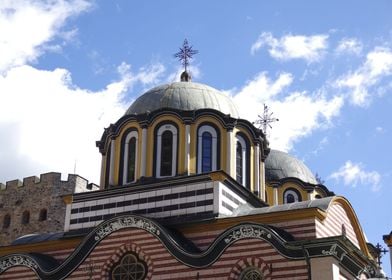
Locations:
{"points": [[132, 134], [294, 193], [212, 131], [174, 132]]}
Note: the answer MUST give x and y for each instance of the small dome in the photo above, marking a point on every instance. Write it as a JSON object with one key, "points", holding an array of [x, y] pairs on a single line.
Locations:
{"points": [[280, 165], [185, 96]]}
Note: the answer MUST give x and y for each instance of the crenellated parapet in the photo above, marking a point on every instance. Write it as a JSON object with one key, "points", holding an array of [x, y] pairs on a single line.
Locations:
{"points": [[36, 204], [49, 179]]}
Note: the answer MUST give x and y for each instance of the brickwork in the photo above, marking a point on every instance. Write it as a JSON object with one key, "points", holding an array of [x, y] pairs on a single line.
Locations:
{"points": [[30, 197]]}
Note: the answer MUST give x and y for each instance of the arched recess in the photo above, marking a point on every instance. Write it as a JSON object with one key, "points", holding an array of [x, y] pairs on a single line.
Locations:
{"points": [[208, 147], [166, 150], [129, 157], [242, 160]]}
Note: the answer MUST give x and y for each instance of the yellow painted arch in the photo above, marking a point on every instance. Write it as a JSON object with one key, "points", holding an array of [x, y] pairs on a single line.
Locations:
{"points": [[354, 222]]}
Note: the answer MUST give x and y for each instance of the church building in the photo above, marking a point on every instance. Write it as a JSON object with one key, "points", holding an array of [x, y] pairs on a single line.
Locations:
{"points": [[188, 190]]}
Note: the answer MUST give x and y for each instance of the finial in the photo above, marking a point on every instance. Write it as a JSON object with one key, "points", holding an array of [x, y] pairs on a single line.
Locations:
{"points": [[265, 120], [184, 55]]}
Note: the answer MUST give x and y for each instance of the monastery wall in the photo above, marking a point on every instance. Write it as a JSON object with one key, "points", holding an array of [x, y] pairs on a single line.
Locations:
{"points": [[36, 205]]}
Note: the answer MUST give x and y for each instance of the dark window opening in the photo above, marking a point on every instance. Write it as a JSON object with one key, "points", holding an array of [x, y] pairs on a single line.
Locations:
{"points": [[166, 153], [43, 215], [206, 163], [25, 217], [239, 167], [7, 221], [131, 160], [290, 198]]}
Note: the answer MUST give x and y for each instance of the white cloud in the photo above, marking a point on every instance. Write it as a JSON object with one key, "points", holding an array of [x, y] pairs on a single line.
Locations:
{"points": [[55, 122], [309, 48], [299, 113], [354, 174], [359, 83], [26, 26], [349, 46], [47, 122]]}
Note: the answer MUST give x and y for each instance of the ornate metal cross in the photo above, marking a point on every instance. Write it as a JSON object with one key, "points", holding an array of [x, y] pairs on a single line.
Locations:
{"points": [[265, 120], [185, 54]]}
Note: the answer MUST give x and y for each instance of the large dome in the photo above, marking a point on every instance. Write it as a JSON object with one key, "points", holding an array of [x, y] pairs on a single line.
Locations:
{"points": [[280, 165], [183, 96]]}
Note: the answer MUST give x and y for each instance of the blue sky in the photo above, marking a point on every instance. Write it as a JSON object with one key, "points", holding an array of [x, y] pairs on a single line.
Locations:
{"points": [[70, 68]]}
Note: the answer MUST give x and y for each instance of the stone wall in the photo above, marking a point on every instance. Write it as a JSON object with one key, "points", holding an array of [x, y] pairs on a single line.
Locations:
{"points": [[33, 195]]}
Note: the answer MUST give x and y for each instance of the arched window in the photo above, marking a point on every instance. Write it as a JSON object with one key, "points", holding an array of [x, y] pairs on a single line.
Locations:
{"points": [[25, 217], [166, 154], [291, 195], [251, 273], [129, 162], [242, 161], [239, 167], [207, 150], [130, 267], [43, 215], [7, 221]]}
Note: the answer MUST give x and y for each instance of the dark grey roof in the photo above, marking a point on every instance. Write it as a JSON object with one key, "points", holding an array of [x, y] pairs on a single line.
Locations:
{"points": [[183, 96], [322, 203], [34, 238], [280, 165]]}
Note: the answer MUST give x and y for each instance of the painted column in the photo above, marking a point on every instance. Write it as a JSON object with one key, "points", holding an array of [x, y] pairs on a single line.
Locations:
{"points": [[229, 155], [143, 155], [262, 181], [187, 148], [257, 169], [68, 202], [275, 196], [111, 167]]}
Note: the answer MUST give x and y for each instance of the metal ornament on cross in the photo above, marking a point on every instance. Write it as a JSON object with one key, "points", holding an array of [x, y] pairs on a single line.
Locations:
{"points": [[265, 120], [184, 55]]}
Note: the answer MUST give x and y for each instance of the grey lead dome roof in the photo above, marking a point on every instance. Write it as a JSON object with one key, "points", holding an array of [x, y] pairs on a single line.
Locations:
{"points": [[280, 165], [183, 96]]}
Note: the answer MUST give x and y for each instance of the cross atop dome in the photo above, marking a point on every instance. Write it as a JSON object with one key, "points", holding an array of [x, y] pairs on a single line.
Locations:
{"points": [[184, 55]]}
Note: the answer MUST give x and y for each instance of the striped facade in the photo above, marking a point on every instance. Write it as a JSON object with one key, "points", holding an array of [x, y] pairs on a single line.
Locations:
{"points": [[263, 250]]}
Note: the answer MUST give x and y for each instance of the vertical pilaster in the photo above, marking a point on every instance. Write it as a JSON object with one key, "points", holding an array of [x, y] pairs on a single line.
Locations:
{"points": [[187, 147], [257, 169], [68, 204], [230, 160], [111, 167], [276, 202], [262, 181]]}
